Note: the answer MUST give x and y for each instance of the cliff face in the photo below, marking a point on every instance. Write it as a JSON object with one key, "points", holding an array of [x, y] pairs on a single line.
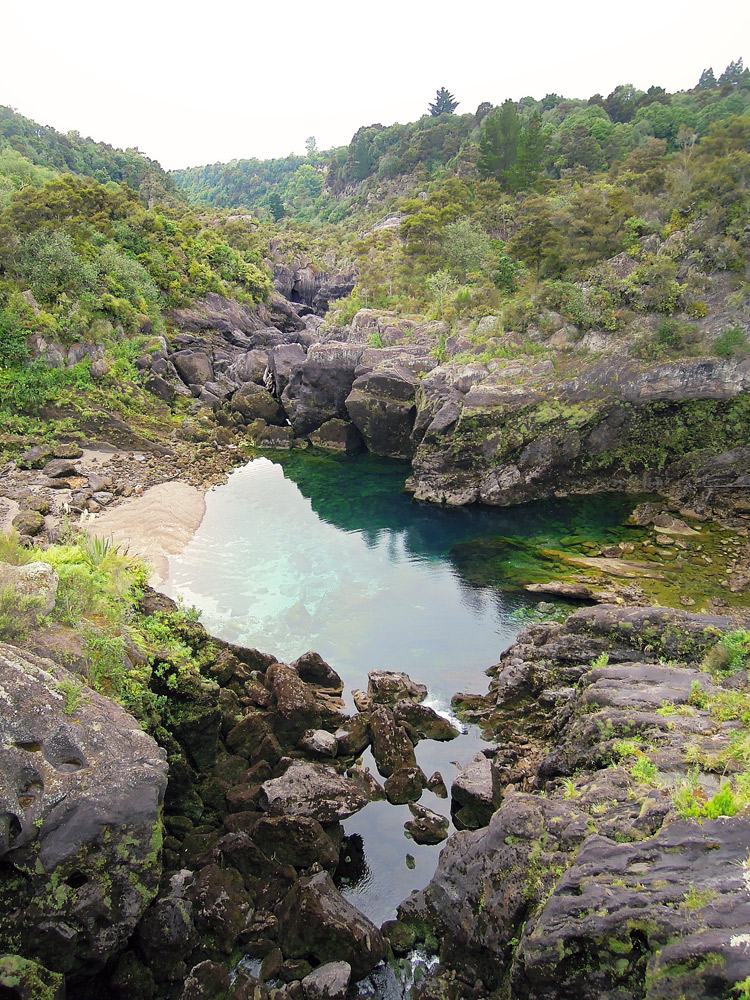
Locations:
{"points": [[521, 434]]}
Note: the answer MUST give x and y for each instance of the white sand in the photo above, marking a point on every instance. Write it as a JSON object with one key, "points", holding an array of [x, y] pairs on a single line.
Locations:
{"points": [[155, 525]]}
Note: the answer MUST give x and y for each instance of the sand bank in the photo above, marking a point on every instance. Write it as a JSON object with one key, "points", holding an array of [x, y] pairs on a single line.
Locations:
{"points": [[154, 525]]}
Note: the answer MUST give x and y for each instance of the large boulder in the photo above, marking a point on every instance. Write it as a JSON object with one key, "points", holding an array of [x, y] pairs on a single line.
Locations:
{"points": [[386, 687], [254, 402], [81, 788], [312, 790], [316, 921], [194, 366], [296, 710], [391, 746], [383, 407], [317, 390]]}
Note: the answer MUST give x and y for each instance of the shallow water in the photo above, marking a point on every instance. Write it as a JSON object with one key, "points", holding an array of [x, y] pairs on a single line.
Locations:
{"points": [[328, 553]]}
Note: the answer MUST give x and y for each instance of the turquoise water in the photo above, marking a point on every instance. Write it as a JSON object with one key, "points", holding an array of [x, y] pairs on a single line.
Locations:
{"points": [[328, 553]]}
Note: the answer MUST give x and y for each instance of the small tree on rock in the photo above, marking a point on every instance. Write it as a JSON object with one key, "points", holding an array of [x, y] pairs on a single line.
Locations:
{"points": [[444, 103]]}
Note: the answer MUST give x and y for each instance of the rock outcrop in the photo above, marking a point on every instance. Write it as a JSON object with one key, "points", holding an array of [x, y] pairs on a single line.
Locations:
{"points": [[628, 876], [80, 821]]}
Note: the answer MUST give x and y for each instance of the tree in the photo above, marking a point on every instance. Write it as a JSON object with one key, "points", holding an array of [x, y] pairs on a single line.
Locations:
{"points": [[484, 109], [441, 284], [498, 144], [276, 207], [466, 246], [732, 74], [528, 166], [537, 236], [707, 80], [311, 145], [444, 103]]}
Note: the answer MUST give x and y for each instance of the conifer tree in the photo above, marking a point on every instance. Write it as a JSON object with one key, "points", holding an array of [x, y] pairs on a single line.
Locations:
{"points": [[444, 103]]}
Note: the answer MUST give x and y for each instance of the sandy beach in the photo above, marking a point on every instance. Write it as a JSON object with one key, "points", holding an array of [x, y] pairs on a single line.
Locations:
{"points": [[154, 525]]}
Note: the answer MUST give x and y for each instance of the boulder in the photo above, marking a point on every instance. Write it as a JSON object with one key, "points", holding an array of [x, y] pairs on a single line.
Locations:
{"points": [[284, 362], [338, 435], [307, 789], [317, 389], [354, 738], [60, 468], [295, 705], [427, 827], [313, 669], [386, 687], [34, 579], [382, 406], [21, 979], [254, 403], [471, 793], [318, 743], [391, 746], [295, 840], [406, 784], [329, 982], [425, 721], [316, 921], [81, 789], [194, 366]]}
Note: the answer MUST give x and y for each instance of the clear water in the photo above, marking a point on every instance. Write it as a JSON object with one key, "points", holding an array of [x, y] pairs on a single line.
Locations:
{"points": [[328, 553]]}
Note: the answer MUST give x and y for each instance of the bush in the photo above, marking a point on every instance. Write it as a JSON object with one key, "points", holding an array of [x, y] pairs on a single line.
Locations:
{"points": [[18, 614], [731, 343]]}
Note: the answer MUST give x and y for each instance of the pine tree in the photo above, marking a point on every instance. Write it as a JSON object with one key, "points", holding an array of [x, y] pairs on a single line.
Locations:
{"points": [[707, 80], [444, 103]]}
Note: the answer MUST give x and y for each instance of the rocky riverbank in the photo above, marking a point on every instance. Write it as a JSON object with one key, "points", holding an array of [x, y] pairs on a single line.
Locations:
{"points": [[603, 851]]}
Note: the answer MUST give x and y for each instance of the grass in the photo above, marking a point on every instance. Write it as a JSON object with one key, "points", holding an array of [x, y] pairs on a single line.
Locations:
{"points": [[143, 662]]}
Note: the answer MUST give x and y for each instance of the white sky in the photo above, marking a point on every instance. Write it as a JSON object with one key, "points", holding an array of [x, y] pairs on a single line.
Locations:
{"points": [[191, 83]]}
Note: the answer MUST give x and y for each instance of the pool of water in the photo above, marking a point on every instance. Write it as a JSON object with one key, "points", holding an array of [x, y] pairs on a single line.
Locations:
{"points": [[329, 553]]}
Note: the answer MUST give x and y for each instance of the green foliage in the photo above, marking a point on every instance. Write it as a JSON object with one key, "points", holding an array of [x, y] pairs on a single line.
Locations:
{"points": [[731, 343], [444, 103], [691, 802], [13, 349], [72, 696], [18, 614], [731, 653], [600, 662]]}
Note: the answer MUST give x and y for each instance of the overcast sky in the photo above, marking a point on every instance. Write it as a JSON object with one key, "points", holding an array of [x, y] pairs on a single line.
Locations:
{"points": [[192, 83]]}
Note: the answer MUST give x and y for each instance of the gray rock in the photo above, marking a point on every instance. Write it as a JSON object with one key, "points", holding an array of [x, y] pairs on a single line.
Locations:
{"points": [[319, 743], [194, 366], [329, 982], [386, 687], [254, 402], [59, 468], [471, 793], [81, 787], [382, 405], [313, 790], [317, 388], [427, 827], [315, 919], [391, 746]]}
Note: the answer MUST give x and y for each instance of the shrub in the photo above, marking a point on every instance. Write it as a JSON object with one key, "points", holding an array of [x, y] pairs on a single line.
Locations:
{"points": [[731, 343], [18, 614]]}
